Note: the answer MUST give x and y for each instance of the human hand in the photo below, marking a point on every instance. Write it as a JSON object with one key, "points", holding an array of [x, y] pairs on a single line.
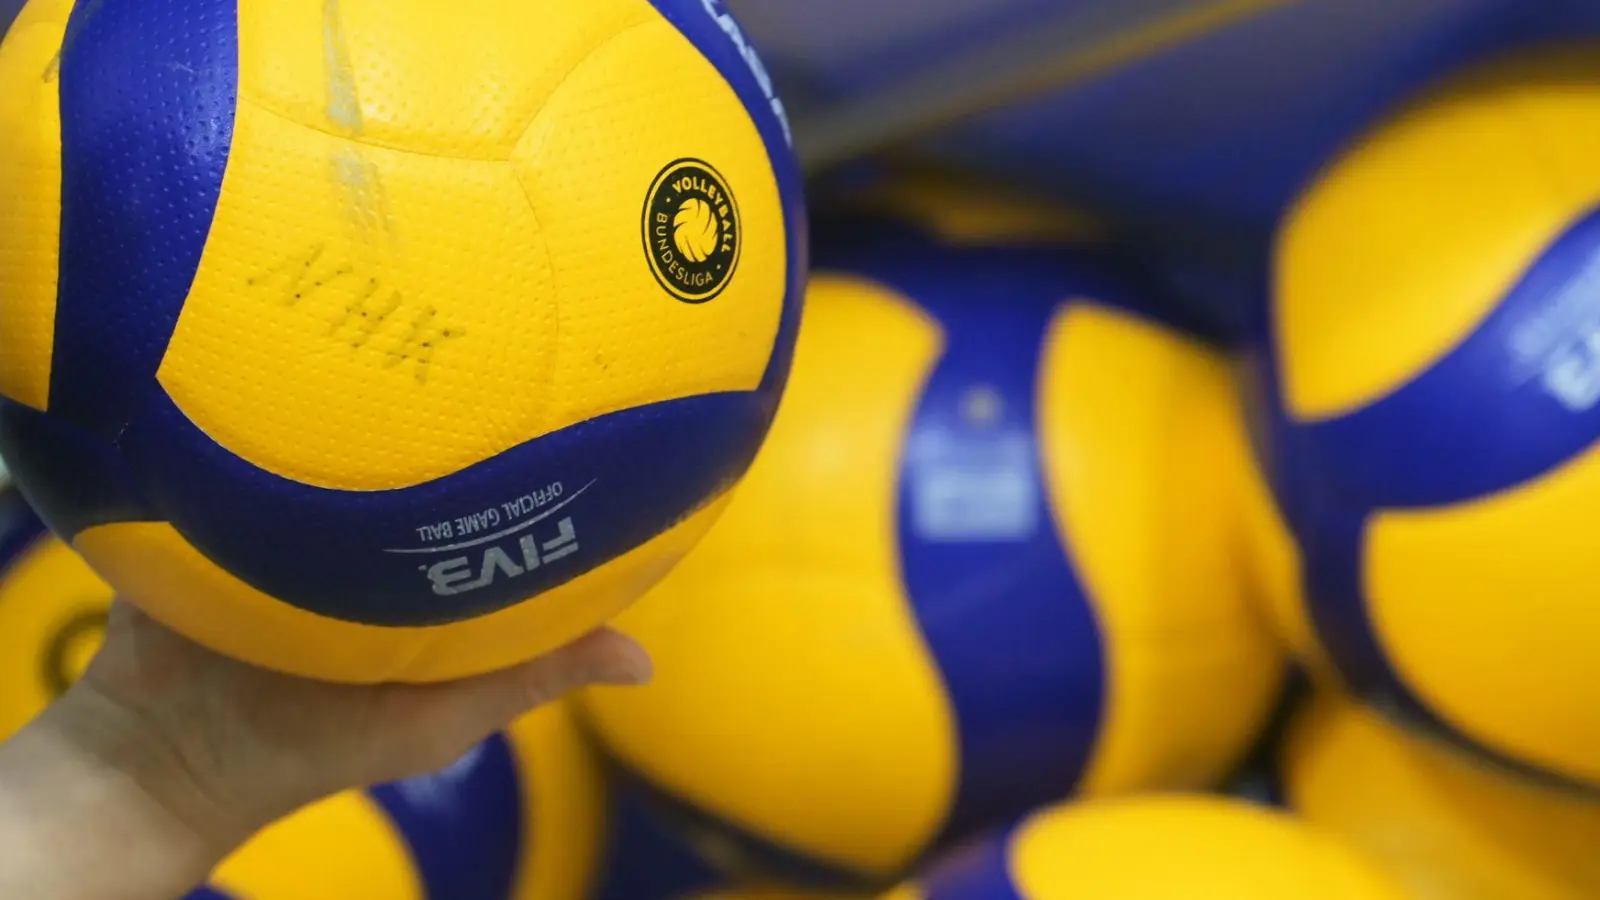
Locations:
{"points": [[165, 742]]}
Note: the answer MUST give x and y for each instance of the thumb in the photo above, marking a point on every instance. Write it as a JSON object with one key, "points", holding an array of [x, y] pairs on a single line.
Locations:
{"points": [[602, 657], [454, 716]]}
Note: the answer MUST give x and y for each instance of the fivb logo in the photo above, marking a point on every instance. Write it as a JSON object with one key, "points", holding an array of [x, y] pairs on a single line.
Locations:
{"points": [[725, 21], [456, 576]]}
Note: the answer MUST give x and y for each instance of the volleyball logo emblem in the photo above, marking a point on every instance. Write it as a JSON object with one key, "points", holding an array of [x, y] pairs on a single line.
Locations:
{"points": [[691, 231]]}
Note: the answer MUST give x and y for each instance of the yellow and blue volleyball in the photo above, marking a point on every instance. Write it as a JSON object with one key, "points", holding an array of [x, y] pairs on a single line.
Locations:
{"points": [[1156, 848], [381, 340], [989, 557], [1429, 402], [521, 817], [1442, 822]]}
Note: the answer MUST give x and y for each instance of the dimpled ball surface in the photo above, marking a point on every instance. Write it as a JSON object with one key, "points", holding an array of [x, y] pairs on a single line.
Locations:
{"points": [[389, 340]]}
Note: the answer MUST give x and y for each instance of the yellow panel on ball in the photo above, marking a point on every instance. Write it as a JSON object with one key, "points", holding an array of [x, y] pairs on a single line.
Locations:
{"points": [[1520, 669], [1485, 172], [411, 77], [1156, 849], [1121, 494], [688, 140], [1441, 822], [342, 314], [30, 179], [338, 849], [418, 339], [344, 280], [1432, 405]]}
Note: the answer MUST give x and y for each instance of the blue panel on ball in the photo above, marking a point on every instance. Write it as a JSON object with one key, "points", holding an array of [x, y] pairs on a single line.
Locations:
{"points": [[75, 479], [19, 527], [1530, 369], [208, 893], [979, 871], [147, 112], [464, 826], [995, 593], [712, 29], [8, 14], [465, 545], [755, 857], [646, 858]]}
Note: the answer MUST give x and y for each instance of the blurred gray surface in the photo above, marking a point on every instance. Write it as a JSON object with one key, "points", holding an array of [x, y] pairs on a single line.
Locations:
{"points": [[1065, 44]]}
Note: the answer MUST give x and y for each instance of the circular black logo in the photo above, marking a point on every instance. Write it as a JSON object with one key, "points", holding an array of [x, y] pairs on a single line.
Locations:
{"points": [[691, 231]]}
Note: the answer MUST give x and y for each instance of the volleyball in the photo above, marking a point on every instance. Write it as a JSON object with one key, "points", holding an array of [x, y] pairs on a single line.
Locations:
{"points": [[1153, 848], [389, 341], [1429, 403], [1440, 820]]}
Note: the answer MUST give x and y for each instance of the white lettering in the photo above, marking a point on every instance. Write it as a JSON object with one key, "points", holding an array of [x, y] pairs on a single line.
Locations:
{"points": [[448, 574], [428, 533], [1572, 376], [496, 560], [528, 504], [1575, 307], [564, 545], [454, 576]]}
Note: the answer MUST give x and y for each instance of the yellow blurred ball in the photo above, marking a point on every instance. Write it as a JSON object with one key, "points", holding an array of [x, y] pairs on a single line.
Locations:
{"points": [[1156, 848], [52, 615], [1430, 404], [1444, 823]]}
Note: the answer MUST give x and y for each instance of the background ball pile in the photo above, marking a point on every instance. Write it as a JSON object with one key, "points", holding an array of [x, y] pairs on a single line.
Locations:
{"points": [[403, 341]]}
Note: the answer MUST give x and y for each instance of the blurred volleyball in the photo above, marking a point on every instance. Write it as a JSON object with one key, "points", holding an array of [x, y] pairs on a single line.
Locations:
{"points": [[519, 817], [1430, 403], [989, 558], [389, 340], [1442, 822], [1156, 848], [52, 614]]}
